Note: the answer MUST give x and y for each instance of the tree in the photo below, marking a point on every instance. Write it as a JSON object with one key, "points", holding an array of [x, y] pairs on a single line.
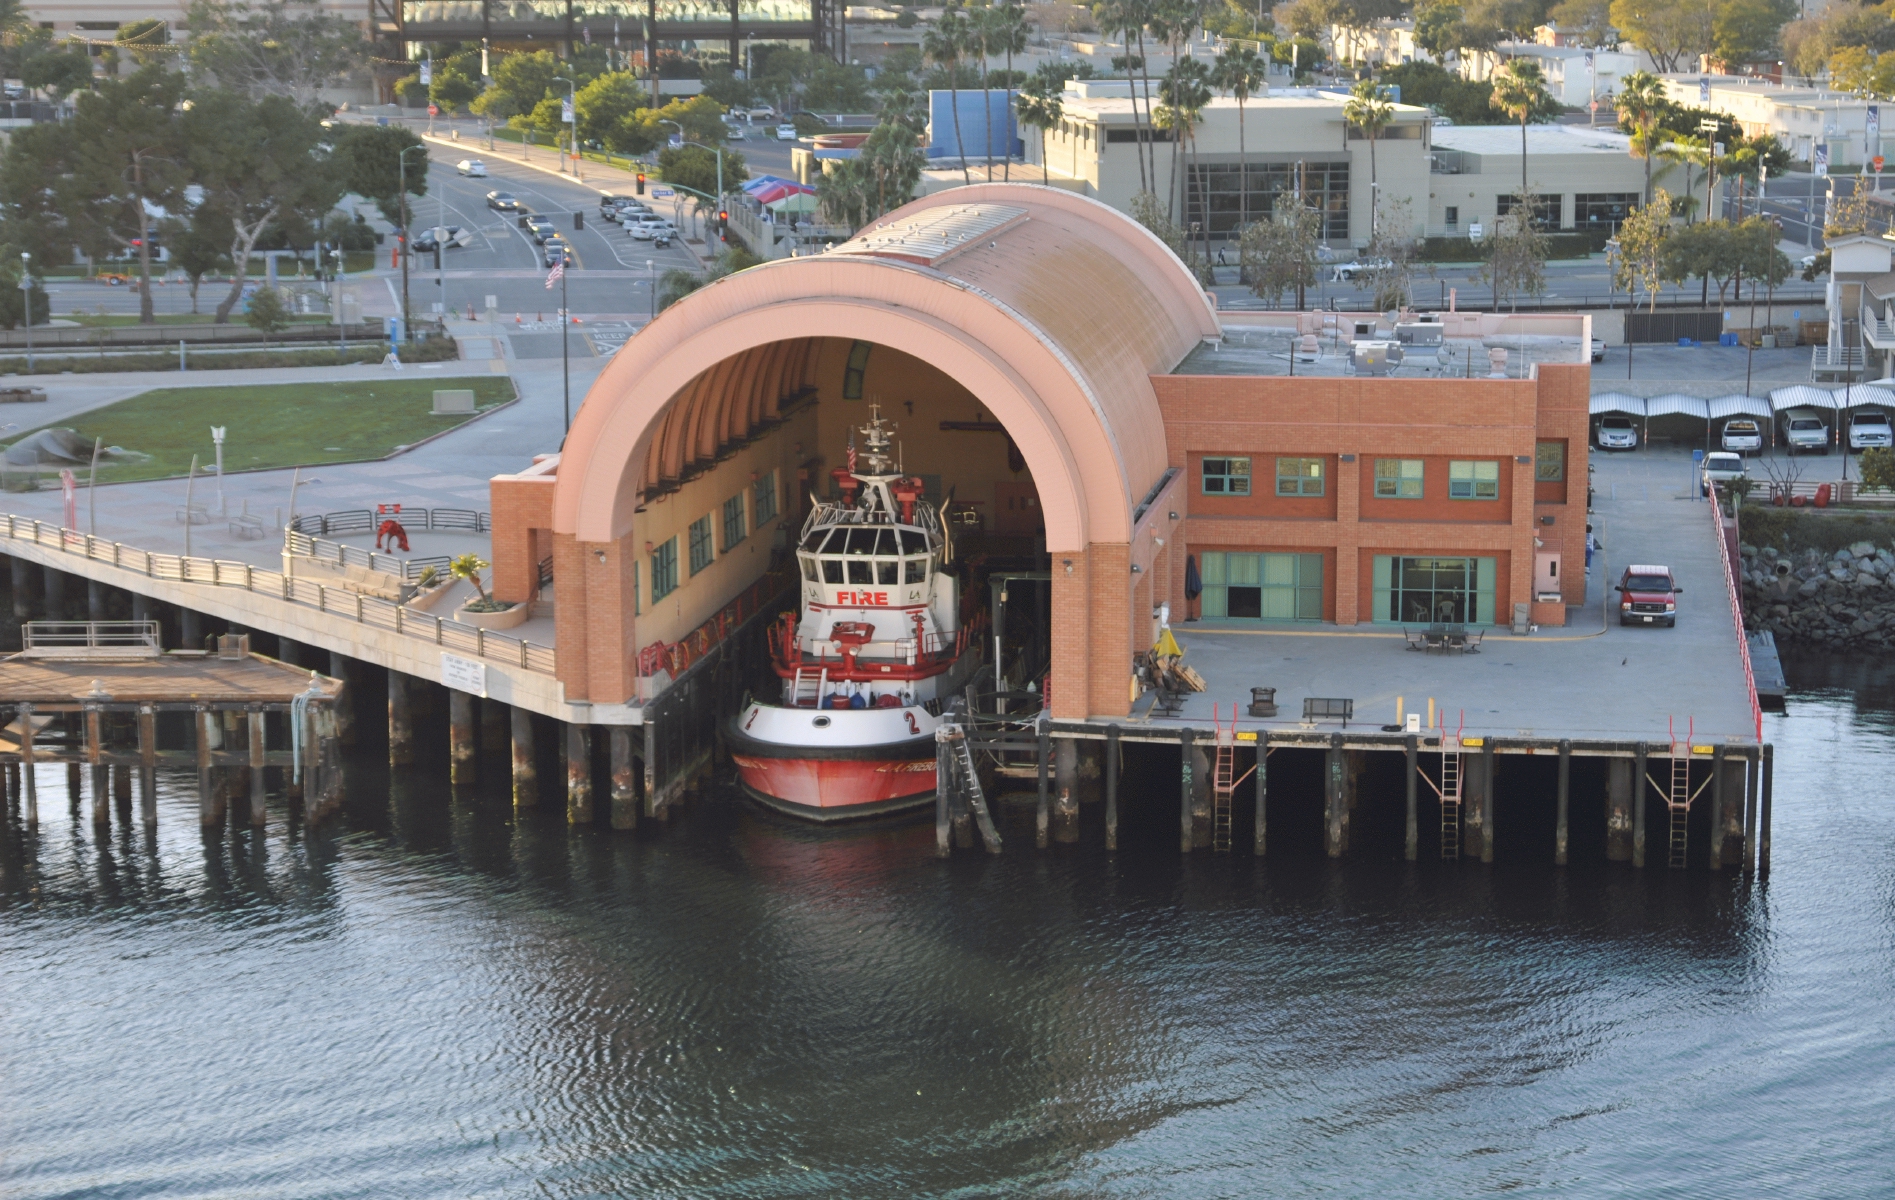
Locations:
{"points": [[1391, 253], [892, 160], [289, 48], [1041, 108], [1674, 32], [368, 158], [696, 168], [58, 73], [1243, 73], [1185, 93], [14, 302], [1588, 22], [1744, 30], [452, 89], [902, 105], [1438, 25], [843, 192], [1640, 260], [143, 38], [1641, 102], [983, 39], [266, 313], [1520, 91], [1011, 33], [259, 162], [1147, 211], [1283, 251], [199, 244], [1368, 110], [645, 129], [602, 105], [469, 567], [943, 45], [1877, 465], [1515, 259], [1127, 18], [520, 82]]}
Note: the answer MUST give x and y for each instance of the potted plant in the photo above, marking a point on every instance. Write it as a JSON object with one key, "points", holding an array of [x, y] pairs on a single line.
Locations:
{"points": [[484, 612]]}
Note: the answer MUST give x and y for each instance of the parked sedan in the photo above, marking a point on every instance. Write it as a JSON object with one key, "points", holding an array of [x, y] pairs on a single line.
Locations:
{"points": [[1617, 433], [502, 202], [786, 133], [472, 167]]}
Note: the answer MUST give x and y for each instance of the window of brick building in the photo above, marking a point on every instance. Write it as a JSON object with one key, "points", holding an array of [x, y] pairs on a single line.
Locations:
{"points": [[1549, 462], [734, 529], [1299, 476], [1226, 477], [763, 499], [1398, 478], [1478, 480], [664, 570], [1269, 587], [701, 551]]}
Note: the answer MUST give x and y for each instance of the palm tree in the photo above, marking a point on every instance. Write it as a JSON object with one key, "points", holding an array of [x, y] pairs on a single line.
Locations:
{"points": [[905, 108], [1041, 109], [469, 567], [1640, 103], [1520, 91], [1186, 90], [1243, 73], [943, 46], [983, 38], [1011, 28], [1369, 111], [1127, 19]]}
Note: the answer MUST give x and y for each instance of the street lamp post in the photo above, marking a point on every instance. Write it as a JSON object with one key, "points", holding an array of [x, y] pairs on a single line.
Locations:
{"points": [[217, 439], [342, 316], [407, 241], [572, 122], [717, 150], [26, 304]]}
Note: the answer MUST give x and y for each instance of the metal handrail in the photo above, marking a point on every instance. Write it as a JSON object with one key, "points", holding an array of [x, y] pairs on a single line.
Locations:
{"points": [[90, 634], [1737, 615], [367, 610]]}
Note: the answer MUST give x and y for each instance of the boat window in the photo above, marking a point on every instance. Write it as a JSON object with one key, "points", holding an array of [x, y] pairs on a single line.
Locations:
{"points": [[861, 570], [809, 567], [862, 541], [832, 570], [888, 570], [831, 540], [917, 569]]}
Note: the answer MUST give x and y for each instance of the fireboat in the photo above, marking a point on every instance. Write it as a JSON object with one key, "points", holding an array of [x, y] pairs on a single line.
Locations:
{"points": [[878, 647]]}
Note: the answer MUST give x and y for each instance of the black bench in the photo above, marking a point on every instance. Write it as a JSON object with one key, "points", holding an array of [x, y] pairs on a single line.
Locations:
{"points": [[1328, 708]]}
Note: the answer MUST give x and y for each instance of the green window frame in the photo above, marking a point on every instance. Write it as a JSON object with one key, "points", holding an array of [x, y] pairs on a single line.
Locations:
{"points": [[1225, 477], [856, 370], [1262, 587], [1474, 479], [1549, 462], [763, 500], [1299, 476], [1398, 478], [664, 570], [702, 553], [734, 528], [1449, 589]]}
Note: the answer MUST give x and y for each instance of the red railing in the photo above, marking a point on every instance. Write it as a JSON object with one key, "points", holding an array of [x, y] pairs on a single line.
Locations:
{"points": [[1737, 613], [787, 655], [677, 657]]}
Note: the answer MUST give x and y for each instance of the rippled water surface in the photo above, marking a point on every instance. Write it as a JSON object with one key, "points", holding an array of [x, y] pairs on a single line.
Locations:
{"points": [[430, 999]]}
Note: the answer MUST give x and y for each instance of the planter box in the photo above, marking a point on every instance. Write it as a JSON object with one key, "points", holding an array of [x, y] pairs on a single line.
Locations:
{"points": [[505, 619]]}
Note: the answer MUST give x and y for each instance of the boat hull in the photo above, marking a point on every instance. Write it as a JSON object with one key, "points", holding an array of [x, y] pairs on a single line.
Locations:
{"points": [[844, 778]]}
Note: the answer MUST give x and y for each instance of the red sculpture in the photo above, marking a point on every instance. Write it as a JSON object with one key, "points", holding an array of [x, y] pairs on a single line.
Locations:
{"points": [[392, 531]]}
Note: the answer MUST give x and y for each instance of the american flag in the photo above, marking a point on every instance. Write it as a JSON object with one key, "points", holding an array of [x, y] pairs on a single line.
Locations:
{"points": [[852, 452], [557, 273]]}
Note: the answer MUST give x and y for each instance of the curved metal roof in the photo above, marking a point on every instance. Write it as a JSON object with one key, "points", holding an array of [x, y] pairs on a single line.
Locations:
{"points": [[1736, 405], [1801, 395], [1618, 402], [1678, 402]]}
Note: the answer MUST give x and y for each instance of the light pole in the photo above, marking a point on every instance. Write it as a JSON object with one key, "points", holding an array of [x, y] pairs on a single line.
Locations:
{"points": [[342, 316], [572, 121], [407, 241], [717, 150], [26, 304], [217, 440]]}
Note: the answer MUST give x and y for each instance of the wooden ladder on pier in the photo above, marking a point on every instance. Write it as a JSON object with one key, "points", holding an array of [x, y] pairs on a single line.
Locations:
{"points": [[961, 765], [1222, 785], [806, 689]]}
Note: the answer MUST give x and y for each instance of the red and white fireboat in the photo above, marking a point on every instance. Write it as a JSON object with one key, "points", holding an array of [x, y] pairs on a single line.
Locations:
{"points": [[877, 649]]}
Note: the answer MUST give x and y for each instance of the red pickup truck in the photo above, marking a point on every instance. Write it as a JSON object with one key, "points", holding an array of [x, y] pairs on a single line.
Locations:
{"points": [[1647, 596]]}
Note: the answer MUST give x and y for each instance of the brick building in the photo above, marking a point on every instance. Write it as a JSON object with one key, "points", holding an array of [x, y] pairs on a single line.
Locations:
{"points": [[1052, 364]]}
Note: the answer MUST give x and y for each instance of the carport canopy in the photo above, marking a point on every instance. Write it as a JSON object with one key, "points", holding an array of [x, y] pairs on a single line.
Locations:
{"points": [[1677, 402], [1724, 407], [1801, 395], [1618, 402]]}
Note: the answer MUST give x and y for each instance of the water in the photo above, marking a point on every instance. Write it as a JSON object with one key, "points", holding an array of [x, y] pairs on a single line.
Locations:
{"points": [[430, 1000]]}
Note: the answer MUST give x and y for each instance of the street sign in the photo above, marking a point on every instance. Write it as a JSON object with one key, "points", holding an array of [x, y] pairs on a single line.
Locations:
{"points": [[1878, 164], [427, 71], [433, 111], [565, 111], [1819, 162], [1704, 91], [463, 674], [659, 193], [676, 141]]}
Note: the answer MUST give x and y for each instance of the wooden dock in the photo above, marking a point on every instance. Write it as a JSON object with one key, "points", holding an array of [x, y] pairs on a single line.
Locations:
{"points": [[105, 695]]}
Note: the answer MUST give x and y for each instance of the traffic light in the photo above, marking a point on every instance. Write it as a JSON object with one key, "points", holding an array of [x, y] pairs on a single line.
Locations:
{"points": [[579, 220], [723, 218], [641, 183]]}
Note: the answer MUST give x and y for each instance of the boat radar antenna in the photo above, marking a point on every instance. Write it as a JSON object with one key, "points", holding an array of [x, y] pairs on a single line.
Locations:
{"points": [[877, 442]]}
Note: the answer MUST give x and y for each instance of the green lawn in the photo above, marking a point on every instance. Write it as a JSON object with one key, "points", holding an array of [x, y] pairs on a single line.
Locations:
{"points": [[275, 425]]}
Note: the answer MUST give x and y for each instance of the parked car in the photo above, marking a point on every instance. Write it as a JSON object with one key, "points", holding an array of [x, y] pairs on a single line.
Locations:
{"points": [[1720, 467], [540, 229], [628, 210], [1598, 350], [609, 201], [1648, 595], [1742, 435], [1617, 433], [736, 133], [502, 202], [472, 167], [763, 112], [645, 231], [1807, 433], [1346, 272], [1870, 429], [786, 133]]}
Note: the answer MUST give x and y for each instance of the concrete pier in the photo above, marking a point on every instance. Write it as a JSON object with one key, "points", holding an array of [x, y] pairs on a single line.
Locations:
{"points": [[463, 752], [578, 773], [624, 779], [341, 668], [401, 723], [526, 774]]}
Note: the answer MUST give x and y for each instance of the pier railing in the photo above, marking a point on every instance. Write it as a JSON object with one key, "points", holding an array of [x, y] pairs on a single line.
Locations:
{"points": [[1724, 539], [367, 520], [336, 601], [344, 555]]}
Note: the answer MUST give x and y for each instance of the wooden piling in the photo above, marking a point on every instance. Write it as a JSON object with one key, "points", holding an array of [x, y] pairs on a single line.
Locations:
{"points": [[942, 848], [339, 668], [1260, 836], [1640, 785], [95, 758], [1561, 828], [401, 725], [1185, 739], [624, 780], [526, 772], [122, 786], [1717, 808], [1066, 790], [1112, 787], [1411, 842], [463, 754], [207, 814], [1336, 807], [1618, 809], [1487, 800], [29, 777], [255, 722], [1763, 813], [1041, 817], [148, 765], [578, 773], [22, 595], [1753, 762]]}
